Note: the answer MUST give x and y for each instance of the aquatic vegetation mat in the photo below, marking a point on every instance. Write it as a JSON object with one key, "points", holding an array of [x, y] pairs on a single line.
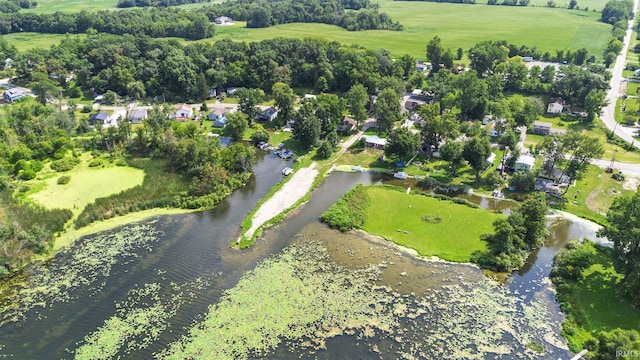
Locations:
{"points": [[301, 298], [138, 321], [43, 284]]}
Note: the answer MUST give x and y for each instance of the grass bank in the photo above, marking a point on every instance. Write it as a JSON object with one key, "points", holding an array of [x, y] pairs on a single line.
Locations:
{"points": [[593, 301], [431, 226]]}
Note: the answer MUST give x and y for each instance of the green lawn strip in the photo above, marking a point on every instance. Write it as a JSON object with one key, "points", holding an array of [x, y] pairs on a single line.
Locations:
{"points": [[597, 302], [455, 237]]}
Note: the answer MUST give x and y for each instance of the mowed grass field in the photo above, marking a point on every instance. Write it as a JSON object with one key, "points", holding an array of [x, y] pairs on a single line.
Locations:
{"points": [[456, 24], [455, 238], [86, 185]]}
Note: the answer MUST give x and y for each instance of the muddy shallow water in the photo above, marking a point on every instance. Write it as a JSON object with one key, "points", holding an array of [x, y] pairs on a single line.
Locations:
{"points": [[166, 273]]}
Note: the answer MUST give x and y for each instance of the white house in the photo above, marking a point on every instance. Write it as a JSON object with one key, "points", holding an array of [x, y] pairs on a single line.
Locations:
{"points": [[374, 141], [555, 106], [524, 163], [223, 20], [422, 66], [136, 116], [183, 112]]}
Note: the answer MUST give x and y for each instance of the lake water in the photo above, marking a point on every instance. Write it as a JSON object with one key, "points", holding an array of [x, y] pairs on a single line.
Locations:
{"points": [[185, 262]]}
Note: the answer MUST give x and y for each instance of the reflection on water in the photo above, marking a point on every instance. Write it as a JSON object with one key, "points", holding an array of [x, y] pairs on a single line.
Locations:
{"points": [[195, 247]]}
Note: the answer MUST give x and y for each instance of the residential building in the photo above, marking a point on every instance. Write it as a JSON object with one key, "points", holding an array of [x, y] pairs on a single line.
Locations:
{"points": [[374, 141], [223, 20], [183, 112], [347, 125], [555, 106], [100, 118], [541, 128], [12, 95], [524, 163], [136, 116], [268, 115]]}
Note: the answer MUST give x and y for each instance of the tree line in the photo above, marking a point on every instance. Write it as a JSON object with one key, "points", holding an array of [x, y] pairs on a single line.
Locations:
{"points": [[154, 22], [156, 3], [362, 15]]}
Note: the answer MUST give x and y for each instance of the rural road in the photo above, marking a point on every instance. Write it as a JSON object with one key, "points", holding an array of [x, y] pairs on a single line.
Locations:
{"points": [[625, 132]]}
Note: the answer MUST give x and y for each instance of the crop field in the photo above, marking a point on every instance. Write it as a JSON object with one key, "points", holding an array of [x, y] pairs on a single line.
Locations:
{"points": [[454, 236], [458, 25]]}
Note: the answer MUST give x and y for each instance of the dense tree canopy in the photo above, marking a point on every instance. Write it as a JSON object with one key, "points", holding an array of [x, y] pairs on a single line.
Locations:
{"points": [[623, 229]]}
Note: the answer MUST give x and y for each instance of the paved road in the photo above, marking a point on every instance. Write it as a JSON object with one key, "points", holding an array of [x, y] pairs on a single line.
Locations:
{"points": [[626, 168], [626, 133]]}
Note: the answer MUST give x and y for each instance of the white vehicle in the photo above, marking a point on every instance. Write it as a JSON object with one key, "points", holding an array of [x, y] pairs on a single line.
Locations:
{"points": [[286, 171]]}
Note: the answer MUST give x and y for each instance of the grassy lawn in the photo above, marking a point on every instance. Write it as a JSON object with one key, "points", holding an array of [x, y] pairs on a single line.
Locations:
{"points": [[591, 197], [597, 302], [547, 29], [30, 40], [453, 239], [86, 185], [50, 6]]}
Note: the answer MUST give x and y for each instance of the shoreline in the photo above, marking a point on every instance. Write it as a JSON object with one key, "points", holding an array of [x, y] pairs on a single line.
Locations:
{"points": [[296, 188], [71, 235]]}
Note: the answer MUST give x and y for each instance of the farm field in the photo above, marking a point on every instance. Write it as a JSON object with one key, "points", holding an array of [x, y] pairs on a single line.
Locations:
{"points": [[458, 25], [455, 237]]}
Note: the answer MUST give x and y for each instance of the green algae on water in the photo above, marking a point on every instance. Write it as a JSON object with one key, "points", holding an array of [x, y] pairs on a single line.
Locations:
{"points": [[81, 266], [299, 296]]}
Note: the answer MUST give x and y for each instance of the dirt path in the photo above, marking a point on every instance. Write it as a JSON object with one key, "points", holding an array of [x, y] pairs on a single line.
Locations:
{"points": [[292, 191]]}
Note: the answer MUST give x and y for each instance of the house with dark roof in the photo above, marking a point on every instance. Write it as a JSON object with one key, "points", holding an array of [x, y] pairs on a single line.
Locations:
{"points": [[100, 118], [268, 115], [347, 125]]}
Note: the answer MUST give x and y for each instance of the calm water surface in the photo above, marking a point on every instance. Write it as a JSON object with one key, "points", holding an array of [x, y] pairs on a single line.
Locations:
{"points": [[196, 246]]}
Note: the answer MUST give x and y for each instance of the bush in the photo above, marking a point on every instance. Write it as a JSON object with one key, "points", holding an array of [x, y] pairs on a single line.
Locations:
{"points": [[325, 151], [27, 174], [64, 179], [120, 162], [64, 164], [87, 108], [96, 162], [260, 136]]}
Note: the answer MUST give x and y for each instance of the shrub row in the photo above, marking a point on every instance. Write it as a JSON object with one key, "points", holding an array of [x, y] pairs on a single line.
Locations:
{"points": [[350, 211]]}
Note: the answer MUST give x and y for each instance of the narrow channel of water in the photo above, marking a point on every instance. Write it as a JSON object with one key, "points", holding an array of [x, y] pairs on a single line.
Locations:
{"points": [[194, 247]]}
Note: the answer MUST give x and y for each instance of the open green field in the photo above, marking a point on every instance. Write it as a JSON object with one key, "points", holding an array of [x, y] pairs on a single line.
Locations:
{"points": [[30, 40], [597, 5], [50, 6], [454, 238], [86, 185], [598, 302], [457, 25]]}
